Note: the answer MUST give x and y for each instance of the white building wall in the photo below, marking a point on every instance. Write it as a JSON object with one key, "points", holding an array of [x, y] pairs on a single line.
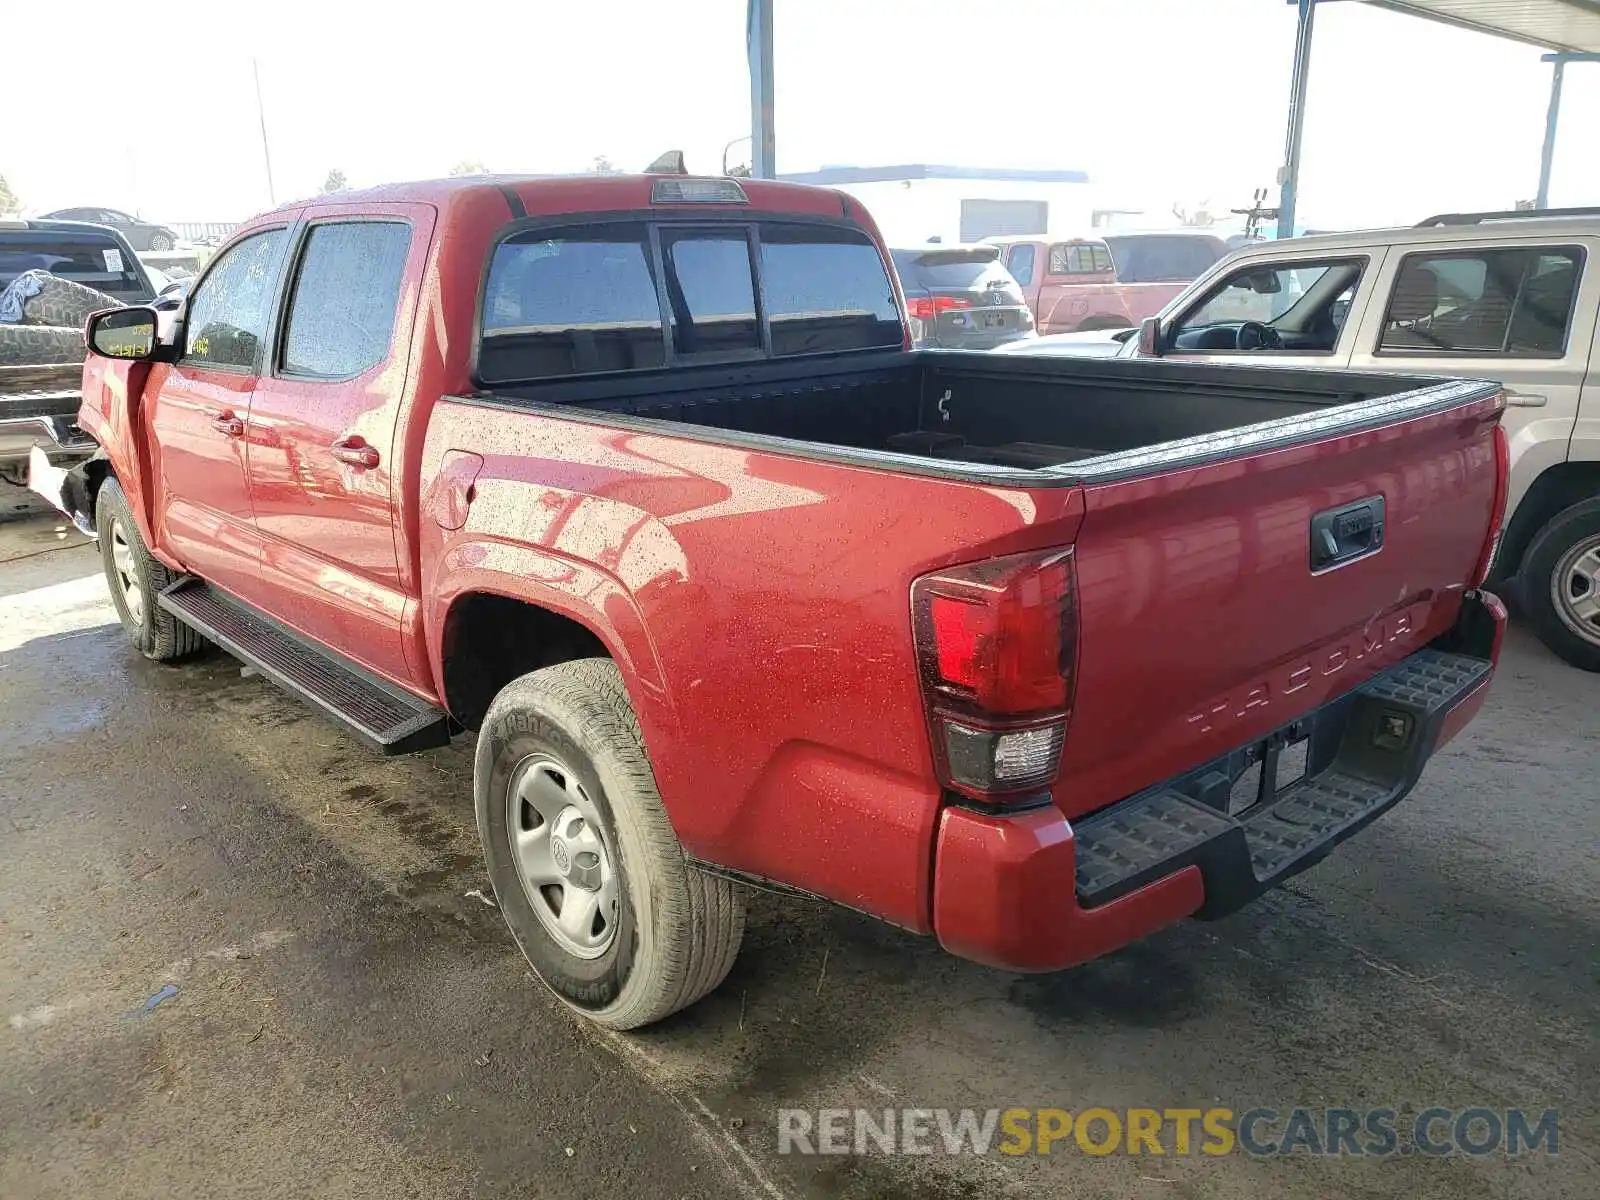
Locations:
{"points": [[911, 211]]}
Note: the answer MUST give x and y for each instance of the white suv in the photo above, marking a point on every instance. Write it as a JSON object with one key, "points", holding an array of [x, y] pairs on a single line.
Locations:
{"points": [[1507, 296]]}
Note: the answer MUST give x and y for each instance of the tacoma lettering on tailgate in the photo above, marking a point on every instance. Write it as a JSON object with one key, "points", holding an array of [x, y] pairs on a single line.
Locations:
{"points": [[1298, 673]]}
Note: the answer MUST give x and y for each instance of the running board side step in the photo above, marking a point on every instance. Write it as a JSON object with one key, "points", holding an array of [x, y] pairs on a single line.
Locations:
{"points": [[386, 717]]}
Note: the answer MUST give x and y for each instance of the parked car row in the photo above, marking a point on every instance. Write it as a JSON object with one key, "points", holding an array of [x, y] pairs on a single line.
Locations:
{"points": [[41, 332], [1009, 289], [141, 235], [1512, 297]]}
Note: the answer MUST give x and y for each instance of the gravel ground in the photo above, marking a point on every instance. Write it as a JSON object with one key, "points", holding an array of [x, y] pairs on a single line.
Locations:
{"points": [[350, 1019]]}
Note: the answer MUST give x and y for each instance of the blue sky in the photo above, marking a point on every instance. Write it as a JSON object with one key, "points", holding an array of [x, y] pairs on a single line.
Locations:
{"points": [[1162, 101]]}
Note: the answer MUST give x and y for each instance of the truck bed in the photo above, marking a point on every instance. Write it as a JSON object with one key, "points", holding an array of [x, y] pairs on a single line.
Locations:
{"points": [[968, 411]]}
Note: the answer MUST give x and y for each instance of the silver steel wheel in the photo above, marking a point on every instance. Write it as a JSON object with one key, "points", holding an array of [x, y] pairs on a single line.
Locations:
{"points": [[1575, 589], [127, 573], [567, 873]]}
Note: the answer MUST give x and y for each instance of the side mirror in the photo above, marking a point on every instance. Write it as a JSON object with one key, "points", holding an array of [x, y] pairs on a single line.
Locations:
{"points": [[123, 333], [1150, 338]]}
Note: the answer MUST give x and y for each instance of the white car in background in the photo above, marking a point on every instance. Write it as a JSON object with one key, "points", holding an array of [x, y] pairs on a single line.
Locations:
{"points": [[1509, 296]]}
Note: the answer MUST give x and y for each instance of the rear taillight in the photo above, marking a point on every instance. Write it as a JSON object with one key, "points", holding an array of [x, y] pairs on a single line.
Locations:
{"points": [[1497, 514], [926, 308], [997, 645]]}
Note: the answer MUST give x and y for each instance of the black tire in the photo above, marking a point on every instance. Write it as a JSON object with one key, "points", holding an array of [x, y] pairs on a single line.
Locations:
{"points": [[154, 632], [160, 242], [1546, 567], [677, 929]]}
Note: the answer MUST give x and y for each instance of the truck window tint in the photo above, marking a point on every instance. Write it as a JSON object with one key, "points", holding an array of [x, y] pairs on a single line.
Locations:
{"points": [[85, 262], [227, 312], [711, 292], [1020, 261], [1158, 258], [345, 297], [826, 289], [1512, 301], [565, 302]]}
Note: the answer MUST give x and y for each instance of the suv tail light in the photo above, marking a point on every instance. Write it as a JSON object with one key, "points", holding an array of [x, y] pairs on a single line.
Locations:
{"points": [[926, 308], [997, 645], [1497, 514]]}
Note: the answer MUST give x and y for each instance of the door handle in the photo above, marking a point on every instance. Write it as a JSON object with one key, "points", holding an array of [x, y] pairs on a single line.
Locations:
{"points": [[226, 422], [1525, 400], [356, 453]]}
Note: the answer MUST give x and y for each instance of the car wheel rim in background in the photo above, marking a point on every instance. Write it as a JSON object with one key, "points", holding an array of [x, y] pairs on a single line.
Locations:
{"points": [[1575, 589]]}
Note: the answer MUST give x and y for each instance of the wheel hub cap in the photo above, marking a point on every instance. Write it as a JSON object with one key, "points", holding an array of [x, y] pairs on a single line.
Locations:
{"points": [[562, 860], [1575, 588], [127, 574]]}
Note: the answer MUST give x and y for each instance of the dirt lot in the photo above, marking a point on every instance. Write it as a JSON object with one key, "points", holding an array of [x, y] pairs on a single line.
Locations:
{"points": [[351, 1020]]}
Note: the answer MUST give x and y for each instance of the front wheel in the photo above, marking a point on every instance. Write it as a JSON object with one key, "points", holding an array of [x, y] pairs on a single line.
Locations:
{"points": [[1560, 580], [136, 578], [160, 241], [588, 872]]}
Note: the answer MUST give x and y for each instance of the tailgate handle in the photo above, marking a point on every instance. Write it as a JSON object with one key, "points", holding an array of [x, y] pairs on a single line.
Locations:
{"points": [[1344, 534]]}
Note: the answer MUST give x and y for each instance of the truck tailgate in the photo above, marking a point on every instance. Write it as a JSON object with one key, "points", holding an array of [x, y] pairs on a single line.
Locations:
{"points": [[1214, 608]]}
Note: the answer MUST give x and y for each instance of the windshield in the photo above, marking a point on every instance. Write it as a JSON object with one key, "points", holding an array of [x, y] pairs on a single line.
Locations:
{"points": [[99, 264]]}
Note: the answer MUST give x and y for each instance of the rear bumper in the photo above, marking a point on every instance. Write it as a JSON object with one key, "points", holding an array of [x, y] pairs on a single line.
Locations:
{"points": [[999, 894], [59, 437]]}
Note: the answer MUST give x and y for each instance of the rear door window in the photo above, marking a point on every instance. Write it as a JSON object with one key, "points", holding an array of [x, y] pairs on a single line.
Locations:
{"points": [[825, 289], [345, 297], [1510, 301]]}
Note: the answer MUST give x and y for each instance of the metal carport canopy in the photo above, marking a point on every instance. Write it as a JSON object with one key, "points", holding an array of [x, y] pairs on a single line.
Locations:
{"points": [[1570, 29], [1569, 26]]}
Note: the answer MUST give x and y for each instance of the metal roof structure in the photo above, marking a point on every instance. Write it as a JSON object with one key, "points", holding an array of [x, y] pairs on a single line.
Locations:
{"points": [[1568, 29], [1565, 26], [909, 171]]}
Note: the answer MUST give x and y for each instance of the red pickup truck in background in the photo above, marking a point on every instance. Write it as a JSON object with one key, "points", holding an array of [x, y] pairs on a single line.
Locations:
{"points": [[1111, 282], [638, 478]]}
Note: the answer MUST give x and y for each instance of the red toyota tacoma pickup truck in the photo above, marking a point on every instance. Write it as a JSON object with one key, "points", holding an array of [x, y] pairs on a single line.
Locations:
{"points": [[638, 478]]}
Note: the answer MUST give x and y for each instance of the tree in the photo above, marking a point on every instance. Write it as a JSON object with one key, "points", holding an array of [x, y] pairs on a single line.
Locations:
{"points": [[9, 202], [604, 166], [469, 166], [335, 182]]}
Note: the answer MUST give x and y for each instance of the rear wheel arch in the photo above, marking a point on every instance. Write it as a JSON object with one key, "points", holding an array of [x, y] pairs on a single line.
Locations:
{"points": [[488, 638], [1556, 489]]}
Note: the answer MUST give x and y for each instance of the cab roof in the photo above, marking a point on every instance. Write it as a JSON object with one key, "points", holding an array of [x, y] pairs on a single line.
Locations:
{"points": [[552, 195]]}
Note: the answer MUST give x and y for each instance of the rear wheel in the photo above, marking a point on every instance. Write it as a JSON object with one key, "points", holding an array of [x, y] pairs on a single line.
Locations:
{"points": [[1560, 584], [584, 862], [135, 579]]}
